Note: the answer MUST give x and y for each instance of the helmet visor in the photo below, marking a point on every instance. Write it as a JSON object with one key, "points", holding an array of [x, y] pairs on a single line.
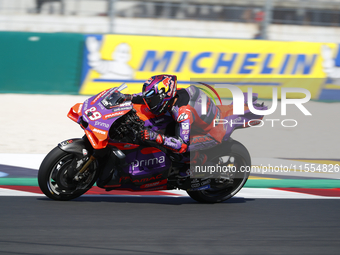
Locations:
{"points": [[153, 101]]}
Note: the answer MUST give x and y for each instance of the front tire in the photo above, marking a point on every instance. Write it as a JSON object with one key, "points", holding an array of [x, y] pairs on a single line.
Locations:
{"points": [[54, 181], [242, 158]]}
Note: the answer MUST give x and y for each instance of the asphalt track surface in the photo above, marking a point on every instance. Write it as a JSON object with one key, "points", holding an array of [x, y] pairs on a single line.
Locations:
{"points": [[168, 225]]}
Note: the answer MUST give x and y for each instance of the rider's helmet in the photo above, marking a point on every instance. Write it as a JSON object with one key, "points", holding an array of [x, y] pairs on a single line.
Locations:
{"points": [[159, 92]]}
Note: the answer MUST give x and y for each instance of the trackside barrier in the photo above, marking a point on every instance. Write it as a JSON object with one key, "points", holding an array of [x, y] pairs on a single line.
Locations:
{"points": [[110, 60], [69, 63], [40, 62]]}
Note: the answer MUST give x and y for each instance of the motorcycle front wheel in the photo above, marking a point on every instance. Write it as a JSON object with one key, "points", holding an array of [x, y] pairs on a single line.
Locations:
{"points": [[54, 176], [242, 161]]}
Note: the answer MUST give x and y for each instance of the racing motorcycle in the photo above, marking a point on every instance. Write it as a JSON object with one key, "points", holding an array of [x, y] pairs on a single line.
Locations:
{"points": [[111, 155]]}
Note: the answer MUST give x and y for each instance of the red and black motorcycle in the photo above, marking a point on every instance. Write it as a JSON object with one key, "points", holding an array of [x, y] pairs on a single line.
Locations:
{"points": [[111, 155]]}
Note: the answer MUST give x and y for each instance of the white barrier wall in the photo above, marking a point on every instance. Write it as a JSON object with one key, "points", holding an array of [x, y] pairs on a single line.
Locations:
{"points": [[165, 27]]}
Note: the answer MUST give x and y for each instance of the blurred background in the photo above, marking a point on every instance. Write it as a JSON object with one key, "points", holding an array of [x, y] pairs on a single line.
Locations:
{"points": [[82, 47], [56, 53], [302, 20]]}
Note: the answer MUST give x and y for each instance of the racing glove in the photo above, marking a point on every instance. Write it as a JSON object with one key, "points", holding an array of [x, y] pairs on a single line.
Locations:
{"points": [[150, 135], [172, 143]]}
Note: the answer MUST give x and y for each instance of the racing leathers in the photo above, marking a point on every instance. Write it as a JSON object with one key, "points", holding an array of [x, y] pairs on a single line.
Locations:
{"points": [[194, 129]]}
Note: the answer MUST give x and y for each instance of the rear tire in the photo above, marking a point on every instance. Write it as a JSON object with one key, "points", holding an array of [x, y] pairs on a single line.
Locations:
{"points": [[242, 158], [54, 181]]}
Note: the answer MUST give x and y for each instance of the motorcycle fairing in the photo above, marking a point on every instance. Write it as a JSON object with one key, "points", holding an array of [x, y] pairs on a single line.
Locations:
{"points": [[97, 117], [145, 165], [147, 168], [153, 186], [124, 146]]}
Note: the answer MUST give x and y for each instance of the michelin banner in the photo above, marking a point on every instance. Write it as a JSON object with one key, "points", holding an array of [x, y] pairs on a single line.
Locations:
{"points": [[110, 60]]}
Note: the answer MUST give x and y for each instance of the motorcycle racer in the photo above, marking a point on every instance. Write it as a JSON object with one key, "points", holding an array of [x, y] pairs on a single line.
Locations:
{"points": [[124, 146], [194, 130]]}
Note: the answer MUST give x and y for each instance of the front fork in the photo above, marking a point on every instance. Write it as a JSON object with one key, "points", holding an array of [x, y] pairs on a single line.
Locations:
{"points": [[79, 174], [108, 158], [84, 156]]}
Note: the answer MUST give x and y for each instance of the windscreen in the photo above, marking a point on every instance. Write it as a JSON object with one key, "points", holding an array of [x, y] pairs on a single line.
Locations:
{"points": [[112, 99]]}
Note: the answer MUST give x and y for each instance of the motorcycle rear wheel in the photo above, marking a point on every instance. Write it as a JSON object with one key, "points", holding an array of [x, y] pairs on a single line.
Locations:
{"points": [[242, 158], [54, 181]]}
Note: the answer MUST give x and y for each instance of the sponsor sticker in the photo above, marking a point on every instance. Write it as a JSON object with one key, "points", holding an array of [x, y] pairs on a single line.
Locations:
{"points": [[85, 104], [200, 188], [185, 132], [99, 131], [114, 114], [121, 109], [101, 124], [147, 162], [185, 125], [99, 96], [159, 139], [80, 107], [101, 106], [182, 117], [153, 184], [66, 142]]}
